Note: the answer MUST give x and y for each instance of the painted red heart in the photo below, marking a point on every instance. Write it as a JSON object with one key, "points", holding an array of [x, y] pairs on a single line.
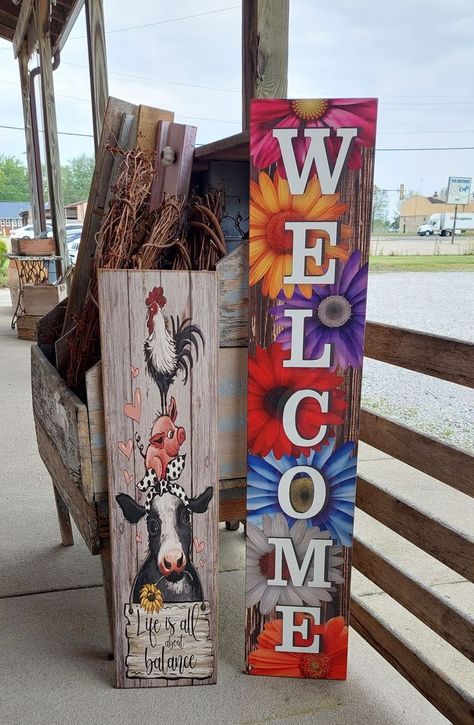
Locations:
{"points": [[198, 545], [126, 448], [127, 476], [134, 410], [138, 538], [202, 563], [134, 371]]}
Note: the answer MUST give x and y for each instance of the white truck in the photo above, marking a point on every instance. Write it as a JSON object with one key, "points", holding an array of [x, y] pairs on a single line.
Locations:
{"points": [[442, 224]]}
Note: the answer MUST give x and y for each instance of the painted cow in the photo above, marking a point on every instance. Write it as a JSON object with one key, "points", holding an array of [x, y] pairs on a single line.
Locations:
{"points": [[165, 440], [168, 563]]}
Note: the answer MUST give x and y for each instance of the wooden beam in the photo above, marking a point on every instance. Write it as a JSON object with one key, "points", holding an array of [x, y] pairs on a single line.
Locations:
{"points": [[447, 544], [446, 463], [441, 357], [264, 51], [63, 35], [53, 164], [97, 65], [30, 156], [22, 25], [232, 148], [451, 623], [438, 688]]}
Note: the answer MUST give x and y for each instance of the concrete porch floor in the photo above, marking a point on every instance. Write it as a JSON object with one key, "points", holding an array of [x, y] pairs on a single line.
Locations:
{"points": [[54, 639]]}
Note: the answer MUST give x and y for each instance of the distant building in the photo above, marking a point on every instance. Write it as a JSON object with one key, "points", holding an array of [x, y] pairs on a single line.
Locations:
{"points": [[13, 214], [74, 212], [416, 210]]}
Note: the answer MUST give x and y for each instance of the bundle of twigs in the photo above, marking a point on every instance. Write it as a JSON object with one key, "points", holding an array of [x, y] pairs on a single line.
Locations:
{"points": [[177, 235]]}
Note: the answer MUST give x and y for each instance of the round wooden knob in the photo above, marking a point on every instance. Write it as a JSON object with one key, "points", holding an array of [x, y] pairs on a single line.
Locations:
{"points": [[168, 156]]}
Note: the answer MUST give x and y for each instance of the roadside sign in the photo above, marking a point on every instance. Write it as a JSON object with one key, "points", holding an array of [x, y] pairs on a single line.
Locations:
{"points": [[459, 190]]}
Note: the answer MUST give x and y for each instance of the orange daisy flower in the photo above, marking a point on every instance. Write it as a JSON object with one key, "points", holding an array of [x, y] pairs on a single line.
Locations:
{"points": [[270, 247], [329, 664]]}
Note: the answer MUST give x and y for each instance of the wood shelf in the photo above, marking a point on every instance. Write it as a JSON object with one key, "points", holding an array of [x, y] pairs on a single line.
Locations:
{"points": [[232, 148]]}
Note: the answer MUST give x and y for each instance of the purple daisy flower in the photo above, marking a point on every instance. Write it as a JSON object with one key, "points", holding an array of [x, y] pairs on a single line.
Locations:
{"points": [[338, 316]]}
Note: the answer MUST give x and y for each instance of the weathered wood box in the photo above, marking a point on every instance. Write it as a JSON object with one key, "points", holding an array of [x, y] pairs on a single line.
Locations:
{"points": [[37, 247], [39, 299]]}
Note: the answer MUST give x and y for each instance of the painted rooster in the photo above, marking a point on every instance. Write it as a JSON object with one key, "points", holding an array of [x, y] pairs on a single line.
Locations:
{"points": [[169, 346]]}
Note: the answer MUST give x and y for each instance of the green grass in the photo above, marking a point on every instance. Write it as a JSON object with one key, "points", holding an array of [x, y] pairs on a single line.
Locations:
{"points": [[422, 263]]}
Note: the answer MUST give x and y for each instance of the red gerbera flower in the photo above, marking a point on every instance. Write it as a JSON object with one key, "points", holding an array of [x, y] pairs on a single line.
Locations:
{"points": [[310, 113], [329, 664], [270, 387]]}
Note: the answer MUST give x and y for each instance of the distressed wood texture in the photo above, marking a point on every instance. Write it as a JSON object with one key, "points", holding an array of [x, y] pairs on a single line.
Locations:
{"points": [[64, 418], [265, 25], [355, 192], [97, 65], [30, 156], [22, 25], [148, 118], [438, 688], [26, 326], [233, 298], [446, 463], [53, 164], [422, 352], [442, 615], [123, 317], [95, 409], [452, 547], [175, 177], [104, 162]]}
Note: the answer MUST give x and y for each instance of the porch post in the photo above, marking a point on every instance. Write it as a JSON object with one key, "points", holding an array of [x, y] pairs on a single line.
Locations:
{"points": [[51, 133], [264, 52], [30, 156], [97, 64]]}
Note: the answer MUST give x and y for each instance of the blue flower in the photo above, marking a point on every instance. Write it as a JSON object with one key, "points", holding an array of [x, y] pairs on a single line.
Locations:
{"points": [[338, 468]]}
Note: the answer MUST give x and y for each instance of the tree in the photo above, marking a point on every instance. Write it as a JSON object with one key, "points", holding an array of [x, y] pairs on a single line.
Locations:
{"points": [[76, 177], [379, 208], [13, 179]]}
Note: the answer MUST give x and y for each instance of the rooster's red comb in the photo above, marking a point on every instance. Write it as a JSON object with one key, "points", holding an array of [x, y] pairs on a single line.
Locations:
{"points": [[156, 295]]}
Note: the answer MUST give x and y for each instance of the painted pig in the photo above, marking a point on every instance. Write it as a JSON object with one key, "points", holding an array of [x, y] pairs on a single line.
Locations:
{"points": [[165, 441]]}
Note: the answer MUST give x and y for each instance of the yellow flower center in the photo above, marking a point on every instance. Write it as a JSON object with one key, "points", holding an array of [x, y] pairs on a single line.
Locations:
{"points": [[315, 667], [310, 109]]}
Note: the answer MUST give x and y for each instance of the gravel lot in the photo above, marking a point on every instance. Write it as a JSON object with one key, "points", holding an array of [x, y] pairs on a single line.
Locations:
{"points": [[438, 302]]}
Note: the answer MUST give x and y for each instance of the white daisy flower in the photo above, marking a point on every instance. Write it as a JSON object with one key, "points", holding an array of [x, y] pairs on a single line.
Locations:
{"points": [[261, 565]]}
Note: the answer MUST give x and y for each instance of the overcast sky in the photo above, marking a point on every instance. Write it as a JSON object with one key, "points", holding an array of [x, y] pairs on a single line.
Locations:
{"points": [[416, 56]]}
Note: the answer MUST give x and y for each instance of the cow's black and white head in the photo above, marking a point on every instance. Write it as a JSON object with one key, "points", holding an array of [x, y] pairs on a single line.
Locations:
{"points": [[169, 528]]}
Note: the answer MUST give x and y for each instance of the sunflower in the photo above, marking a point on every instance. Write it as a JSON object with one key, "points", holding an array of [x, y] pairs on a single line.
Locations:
{"points": [[271, 245], [151, 599], [270, 387], [329, 664]]}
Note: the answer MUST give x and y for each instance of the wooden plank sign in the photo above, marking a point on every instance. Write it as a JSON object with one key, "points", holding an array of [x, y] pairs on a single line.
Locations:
{"points": [[159, 340], [310, 209]]}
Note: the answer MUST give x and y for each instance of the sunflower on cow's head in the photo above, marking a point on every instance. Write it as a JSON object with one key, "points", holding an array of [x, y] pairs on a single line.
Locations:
{"points": [[271, 386], [271, 245]]}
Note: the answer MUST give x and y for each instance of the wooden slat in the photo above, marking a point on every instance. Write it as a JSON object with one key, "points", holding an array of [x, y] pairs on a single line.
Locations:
{"points": [[265, 25], [232, 148], [233, 299], [96, 205], [83, 513], [30, 155], [438, 688], [232, 412], [95, 409], [64, 418], [444, 462], [67, 24], [173, 179], [148, 119], [451, 623], [97, 65], [441, 357], [22, 24], [450, 546]]}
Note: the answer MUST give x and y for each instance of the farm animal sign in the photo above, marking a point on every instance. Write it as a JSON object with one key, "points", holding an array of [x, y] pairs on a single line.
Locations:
{"points": [[310, 209], [159, 345]]}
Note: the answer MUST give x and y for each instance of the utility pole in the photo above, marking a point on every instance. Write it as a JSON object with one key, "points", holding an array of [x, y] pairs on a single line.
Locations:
{"points": [[454, 223]]}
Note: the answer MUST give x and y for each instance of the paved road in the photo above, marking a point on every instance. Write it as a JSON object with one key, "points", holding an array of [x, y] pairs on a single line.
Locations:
{"points": [[385, 245], [440, 303]]}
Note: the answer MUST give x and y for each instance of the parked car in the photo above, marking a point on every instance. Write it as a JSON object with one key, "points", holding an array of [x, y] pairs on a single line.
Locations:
{"points": [[27, 232], [73, 248]]}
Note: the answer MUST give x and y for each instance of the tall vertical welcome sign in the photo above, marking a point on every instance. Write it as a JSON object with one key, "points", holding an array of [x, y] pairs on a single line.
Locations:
{"points": [[310, 209]]}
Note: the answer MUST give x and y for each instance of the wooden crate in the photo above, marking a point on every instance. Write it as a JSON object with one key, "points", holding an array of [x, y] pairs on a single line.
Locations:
{"points": [[26, 326], [34, 247], [38, 299]]}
